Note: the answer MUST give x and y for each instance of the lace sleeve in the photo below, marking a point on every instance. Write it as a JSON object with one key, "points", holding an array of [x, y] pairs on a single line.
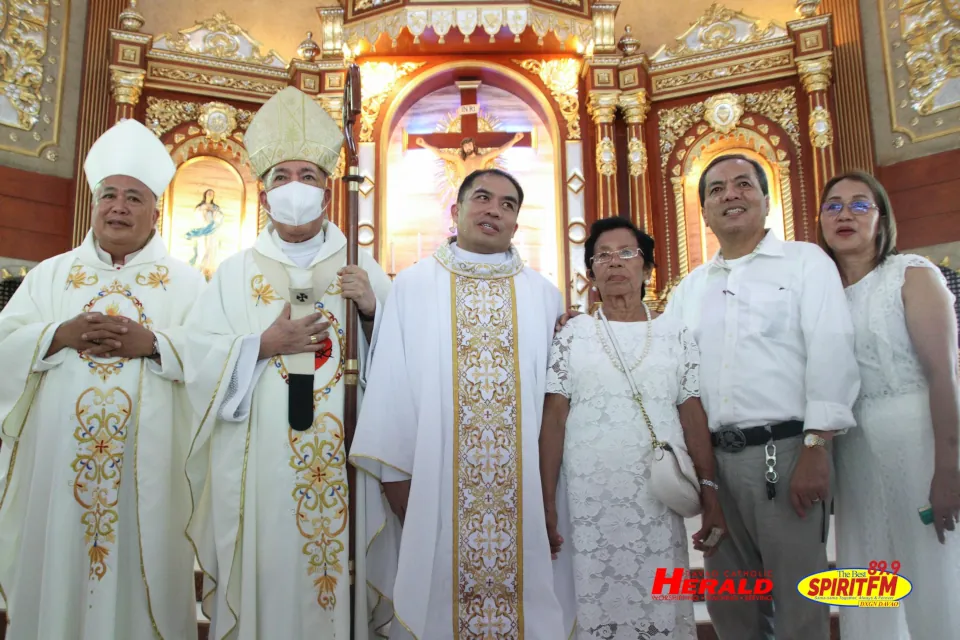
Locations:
{"points": [[558, 376], [907, 260], [688, 369]]}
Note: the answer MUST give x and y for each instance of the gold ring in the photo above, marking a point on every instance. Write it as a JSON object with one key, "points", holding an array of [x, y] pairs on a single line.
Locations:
{"points": [[313, 339]]}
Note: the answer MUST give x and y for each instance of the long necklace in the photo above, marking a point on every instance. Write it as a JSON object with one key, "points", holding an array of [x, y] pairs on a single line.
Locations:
{"points": [[609, 349]]}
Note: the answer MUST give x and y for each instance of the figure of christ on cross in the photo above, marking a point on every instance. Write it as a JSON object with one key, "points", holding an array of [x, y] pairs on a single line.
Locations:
{"points": [[470, 140]]}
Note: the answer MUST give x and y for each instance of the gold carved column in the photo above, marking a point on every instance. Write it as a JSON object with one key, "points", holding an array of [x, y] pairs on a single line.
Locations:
{"points": [[95, 116], [636, 106], [128, 63], [816, 75], [813, 42], [602, 107], [126, 85]]}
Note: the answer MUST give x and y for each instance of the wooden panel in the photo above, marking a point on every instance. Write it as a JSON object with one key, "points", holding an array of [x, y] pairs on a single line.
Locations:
{"points": [[35, 215], [924, 197]]}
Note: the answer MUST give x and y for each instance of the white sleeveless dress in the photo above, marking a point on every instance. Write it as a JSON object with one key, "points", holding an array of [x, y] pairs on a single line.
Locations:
{"points": [[884, 468]]}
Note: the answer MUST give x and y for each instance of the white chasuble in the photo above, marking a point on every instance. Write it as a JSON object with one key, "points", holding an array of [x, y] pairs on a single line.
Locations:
{"points": [[270, 517], [454, 400], [95, 501]]}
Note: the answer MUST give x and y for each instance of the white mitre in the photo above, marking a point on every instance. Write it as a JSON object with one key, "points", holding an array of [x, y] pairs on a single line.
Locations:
{"points": [[130, 149], [292, 126]]}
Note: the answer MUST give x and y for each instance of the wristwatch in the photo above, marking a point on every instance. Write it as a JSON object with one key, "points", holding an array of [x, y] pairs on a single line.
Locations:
{"points": [[813, 440], [156, 348]]}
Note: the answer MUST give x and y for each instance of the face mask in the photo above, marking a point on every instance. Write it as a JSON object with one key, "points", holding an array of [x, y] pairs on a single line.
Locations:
{"points": [[296, 203]]}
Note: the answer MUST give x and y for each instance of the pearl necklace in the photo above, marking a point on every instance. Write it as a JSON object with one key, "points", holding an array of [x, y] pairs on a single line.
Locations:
{"points": [[609, 349]]}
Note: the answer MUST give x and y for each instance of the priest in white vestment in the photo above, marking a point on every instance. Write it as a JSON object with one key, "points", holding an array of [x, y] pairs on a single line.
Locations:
{"points": [[450, 424], [95, 420], [271, 527]]}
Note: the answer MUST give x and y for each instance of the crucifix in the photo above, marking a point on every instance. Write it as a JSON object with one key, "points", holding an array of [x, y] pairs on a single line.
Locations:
{"points": [[469, 140]]}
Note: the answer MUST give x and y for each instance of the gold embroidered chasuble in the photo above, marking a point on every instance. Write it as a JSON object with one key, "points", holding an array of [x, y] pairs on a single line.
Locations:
{"points": [[454, 400], [271, 524], [91, 449]]}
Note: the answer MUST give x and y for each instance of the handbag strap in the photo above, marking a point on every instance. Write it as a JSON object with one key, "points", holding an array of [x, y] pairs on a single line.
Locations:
{"points": [[623, 364]]}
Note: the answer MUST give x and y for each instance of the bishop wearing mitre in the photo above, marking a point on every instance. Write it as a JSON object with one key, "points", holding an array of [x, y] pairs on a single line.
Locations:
{"points": [[95, 419], [271, 525]]}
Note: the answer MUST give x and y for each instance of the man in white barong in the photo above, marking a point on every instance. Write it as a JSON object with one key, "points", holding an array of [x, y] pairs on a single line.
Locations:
{"points": [[450, 424], [95, 420], [272, 527]]}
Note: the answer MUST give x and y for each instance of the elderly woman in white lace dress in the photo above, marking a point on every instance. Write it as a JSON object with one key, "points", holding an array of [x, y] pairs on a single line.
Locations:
{"points": [[595, 430], [904, 454]]}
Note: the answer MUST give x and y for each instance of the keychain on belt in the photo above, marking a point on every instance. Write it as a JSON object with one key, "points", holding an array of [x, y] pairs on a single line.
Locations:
{"points": [[771, 475]]}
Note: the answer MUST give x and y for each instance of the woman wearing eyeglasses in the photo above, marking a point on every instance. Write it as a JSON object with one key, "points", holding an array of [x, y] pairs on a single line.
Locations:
{"points": [[904, 455], [595, 428]]}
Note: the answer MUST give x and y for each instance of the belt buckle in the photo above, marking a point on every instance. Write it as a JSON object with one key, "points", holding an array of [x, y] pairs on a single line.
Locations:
{"points": [[731, 439]]}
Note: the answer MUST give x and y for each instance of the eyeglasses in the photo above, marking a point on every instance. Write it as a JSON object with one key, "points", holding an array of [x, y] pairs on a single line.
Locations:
{"points": [[857, 208], [623, 254]]}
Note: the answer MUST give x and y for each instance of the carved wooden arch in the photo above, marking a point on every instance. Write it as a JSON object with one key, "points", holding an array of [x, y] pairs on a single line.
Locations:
{"points": [[509, 76], [228, 150], [756, 137], [771, 116]]}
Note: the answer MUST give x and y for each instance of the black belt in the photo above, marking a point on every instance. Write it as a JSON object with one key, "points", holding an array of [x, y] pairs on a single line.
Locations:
{"points": [[734, 440]]}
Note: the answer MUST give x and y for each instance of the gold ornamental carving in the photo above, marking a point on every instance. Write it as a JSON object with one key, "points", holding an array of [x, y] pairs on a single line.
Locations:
{"points": [[217, 120], [32, 65], [931, 32], [333, 105], [778, 105], [164, 115], [377, 80], [331, 21], [604, 33], [807, 8], [628, 44], [816, 73], [606, 157], [221, 38], [561, 76], [635, 106], [218, 80], [602, 106], [636, 157], [726, 71], [723, 112], [821, 128], [131, 19], [126, 85], [717, 29]]}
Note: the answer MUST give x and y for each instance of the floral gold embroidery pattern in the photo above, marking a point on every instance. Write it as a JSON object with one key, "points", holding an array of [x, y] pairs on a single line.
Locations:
{"points": [[262, 291], [79, 278], [101, 436], [111, 298], [449, 260], [321, 496], [158, 278], [487, 601]]}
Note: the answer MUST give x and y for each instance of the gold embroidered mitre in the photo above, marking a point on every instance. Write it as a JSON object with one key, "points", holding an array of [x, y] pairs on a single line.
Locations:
{"points": [[292, 126]]}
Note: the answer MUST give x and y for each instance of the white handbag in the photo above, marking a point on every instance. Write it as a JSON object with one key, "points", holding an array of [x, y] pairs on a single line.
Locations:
{"points": [[673, 478]]}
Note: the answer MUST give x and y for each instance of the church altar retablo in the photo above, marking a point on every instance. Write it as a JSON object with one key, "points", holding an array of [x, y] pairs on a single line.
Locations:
{"points": [[545, 89]]}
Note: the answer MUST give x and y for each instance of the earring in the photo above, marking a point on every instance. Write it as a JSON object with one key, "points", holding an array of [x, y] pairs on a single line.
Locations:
{"points": [[647, 281]]}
